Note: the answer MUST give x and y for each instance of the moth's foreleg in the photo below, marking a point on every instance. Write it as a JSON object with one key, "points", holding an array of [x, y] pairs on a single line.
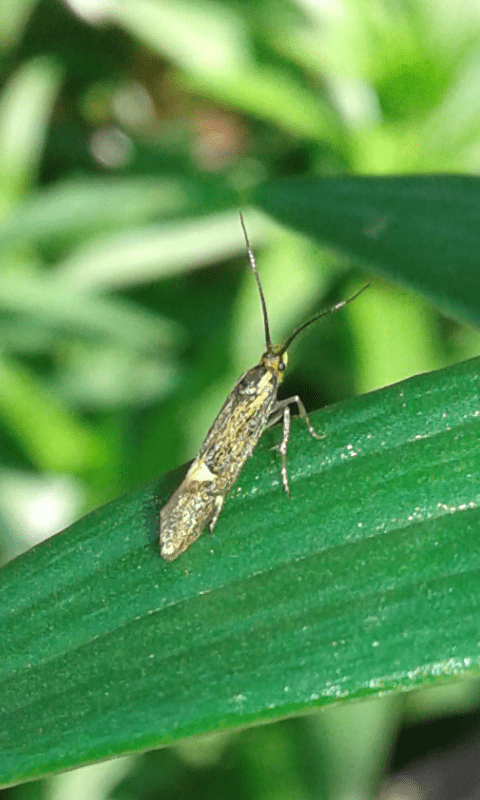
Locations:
{"points": [[283, 446], [302, 412], [282, 410]]}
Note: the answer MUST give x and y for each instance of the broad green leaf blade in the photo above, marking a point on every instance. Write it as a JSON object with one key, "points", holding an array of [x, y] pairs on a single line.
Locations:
{"points": [[365, 580], [421, 230]]}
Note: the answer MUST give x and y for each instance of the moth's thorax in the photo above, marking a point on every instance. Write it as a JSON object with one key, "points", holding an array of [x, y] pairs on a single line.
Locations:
{"points": [[275, 362]]}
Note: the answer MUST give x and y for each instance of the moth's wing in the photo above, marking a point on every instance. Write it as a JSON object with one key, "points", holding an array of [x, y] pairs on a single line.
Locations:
{"points": [[188, 511]]}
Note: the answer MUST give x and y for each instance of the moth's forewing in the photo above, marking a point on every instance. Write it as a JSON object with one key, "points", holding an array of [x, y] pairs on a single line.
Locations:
{"points": [[229, 442]]}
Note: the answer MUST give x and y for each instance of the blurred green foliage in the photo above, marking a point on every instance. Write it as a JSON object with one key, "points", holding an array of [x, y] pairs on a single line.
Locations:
{"points": [[130, 134]]}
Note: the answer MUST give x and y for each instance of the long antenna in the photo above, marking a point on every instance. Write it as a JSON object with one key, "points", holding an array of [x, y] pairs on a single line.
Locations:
{"points": [[268, 341], [324, 313]]}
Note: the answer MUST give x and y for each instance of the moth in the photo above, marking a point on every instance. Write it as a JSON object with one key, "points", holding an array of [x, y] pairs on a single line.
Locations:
{"points": [[250, 407]]}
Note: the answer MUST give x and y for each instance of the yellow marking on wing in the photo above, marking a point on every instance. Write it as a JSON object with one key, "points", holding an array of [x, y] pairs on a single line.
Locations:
{"points": [[200, 472], [265, 383]]}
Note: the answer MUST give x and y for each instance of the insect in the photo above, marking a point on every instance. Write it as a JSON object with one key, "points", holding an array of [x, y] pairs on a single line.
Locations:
{"points": [[250, 407]]}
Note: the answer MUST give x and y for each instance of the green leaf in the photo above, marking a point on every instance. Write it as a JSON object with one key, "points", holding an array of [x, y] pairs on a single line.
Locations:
{"points": [[422, 230], [53, 436], [365, 580], [155, 251], [198, 36], [213, 47], [25, 109], [14, 16], [79, 208], [270, 95], [45, 299]]}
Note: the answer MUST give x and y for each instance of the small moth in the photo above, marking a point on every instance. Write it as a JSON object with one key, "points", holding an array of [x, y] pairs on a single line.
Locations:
{"points": [[250, 407]]}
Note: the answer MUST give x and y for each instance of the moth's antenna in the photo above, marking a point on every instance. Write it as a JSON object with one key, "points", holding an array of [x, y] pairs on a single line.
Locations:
{"points": [[324, 313], [268, 341]]}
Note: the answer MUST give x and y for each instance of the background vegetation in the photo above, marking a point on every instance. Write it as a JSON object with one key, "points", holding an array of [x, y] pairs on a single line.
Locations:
{"points": [[130, 135]]}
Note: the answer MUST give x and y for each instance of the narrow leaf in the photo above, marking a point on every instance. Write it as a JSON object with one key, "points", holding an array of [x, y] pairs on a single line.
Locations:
{"points": [[365, 580]]}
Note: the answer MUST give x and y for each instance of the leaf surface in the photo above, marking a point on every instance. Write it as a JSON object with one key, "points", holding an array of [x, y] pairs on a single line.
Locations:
{"points": [[365, 580]]}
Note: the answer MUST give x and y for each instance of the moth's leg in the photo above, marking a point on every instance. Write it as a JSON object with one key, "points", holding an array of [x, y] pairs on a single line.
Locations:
{"points": [[275, 417], [282, 409], [302, 412], [219, 500], [283, 446]]}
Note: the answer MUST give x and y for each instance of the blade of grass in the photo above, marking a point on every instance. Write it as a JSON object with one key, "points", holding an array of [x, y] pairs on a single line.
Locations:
{"points": [[52, 435], [155, 251], [40, 297], [25, 109], [79, 208]]}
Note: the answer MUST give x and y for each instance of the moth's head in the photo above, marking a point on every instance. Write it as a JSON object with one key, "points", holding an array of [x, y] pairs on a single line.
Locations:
{"points": [[275, 360]]}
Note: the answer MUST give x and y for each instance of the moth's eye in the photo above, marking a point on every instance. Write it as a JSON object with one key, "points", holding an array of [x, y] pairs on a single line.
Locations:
{"points": [[281, 366]]}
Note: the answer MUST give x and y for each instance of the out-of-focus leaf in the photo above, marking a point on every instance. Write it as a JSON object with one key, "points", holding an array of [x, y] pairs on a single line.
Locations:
{"points": [[25, 109], [50, 434], [81, 207], [210, 44], [13, 16], [157, 251], [198, 36], [273, 96], [108, 377], [45, 299]]}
